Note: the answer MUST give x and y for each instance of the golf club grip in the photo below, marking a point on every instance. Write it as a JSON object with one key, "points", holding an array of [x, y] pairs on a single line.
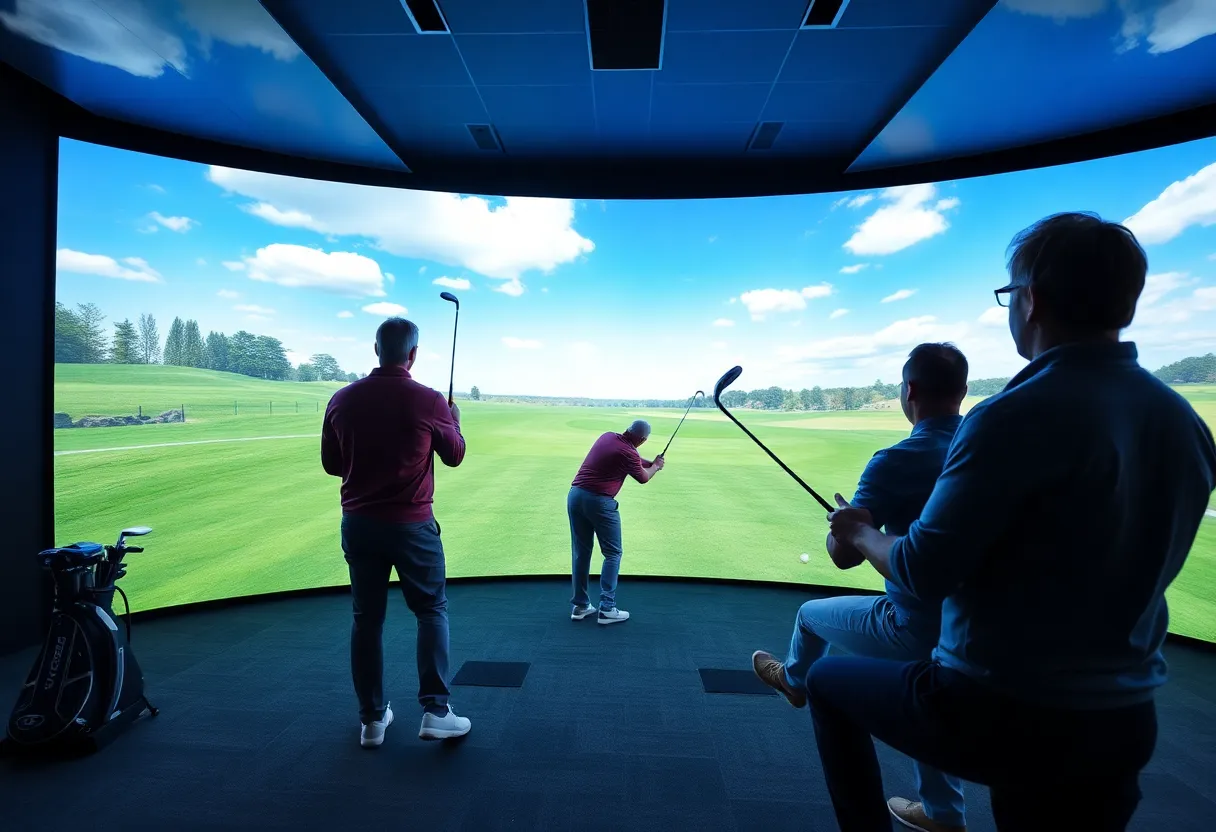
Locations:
{"points": [[777, 460]]}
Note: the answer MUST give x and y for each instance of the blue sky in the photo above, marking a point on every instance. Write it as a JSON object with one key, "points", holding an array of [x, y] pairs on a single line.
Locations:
{"points": [[619, 298]]}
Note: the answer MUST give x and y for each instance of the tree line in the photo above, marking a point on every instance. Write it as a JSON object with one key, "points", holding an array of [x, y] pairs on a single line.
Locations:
{"points": [[81, 338], [1196, 370], [767, 398]]}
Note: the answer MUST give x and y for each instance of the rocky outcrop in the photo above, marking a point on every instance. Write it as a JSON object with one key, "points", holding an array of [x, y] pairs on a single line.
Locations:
{"points": [[63, 420]]}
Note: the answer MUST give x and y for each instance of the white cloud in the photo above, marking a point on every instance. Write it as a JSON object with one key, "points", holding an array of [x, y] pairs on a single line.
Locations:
{"points": [[422, 270], [500, 238], [76, 262], [853, 269], [228, 294], [904, 222], [713, 238], [179, 224], [859, 201], [158, 188], [234, 265], [994, 316], [761, 302], [200, 262], [238, 23], [718, 345], [1191, 201], [521, 343], [256, 318], [458, 283], [545, 289], [898, 335], [390, 277], [1212, 256], [724, 322], [838, 313], [253, 309], [511, 287], [385, 309], [123, 35], [902, 294], [299, 266], [1157, 286], [1166, 24], [337, 339], [947, 203], [1151, 312], [346, 314]]}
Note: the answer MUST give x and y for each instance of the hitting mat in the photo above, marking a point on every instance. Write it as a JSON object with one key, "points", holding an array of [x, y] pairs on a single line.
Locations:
{"points": [[733, 681], [492, 674]]}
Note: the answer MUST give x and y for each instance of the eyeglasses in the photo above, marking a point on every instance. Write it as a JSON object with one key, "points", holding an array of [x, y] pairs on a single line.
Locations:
{"points": [[1004, 295]]}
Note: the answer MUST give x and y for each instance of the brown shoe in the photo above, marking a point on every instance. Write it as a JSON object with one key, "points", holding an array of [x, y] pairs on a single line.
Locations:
{"points": [[912, 815], [772, 673]]}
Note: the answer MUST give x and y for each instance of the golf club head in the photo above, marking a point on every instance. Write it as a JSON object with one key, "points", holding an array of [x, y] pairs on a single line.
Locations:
{"points": [[448, 296], [728, 378]]}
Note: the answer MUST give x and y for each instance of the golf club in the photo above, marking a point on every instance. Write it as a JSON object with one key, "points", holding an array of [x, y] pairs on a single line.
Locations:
{"points": [[448, 296], [726, 381], [700, 393]]}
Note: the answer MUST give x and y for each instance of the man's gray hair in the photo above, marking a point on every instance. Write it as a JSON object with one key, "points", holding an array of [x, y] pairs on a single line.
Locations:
{"points": [[640, 428], [396, 337]]}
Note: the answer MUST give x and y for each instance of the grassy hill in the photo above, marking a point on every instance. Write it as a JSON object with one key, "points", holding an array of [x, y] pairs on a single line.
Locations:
{"points": [[240, 504]]}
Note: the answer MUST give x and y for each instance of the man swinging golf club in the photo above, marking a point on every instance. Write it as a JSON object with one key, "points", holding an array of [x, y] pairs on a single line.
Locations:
{"points": [[594, 511]]}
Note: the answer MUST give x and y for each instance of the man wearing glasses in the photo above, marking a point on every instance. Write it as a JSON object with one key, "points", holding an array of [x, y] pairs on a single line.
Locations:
{"points": [[1068, 504]]}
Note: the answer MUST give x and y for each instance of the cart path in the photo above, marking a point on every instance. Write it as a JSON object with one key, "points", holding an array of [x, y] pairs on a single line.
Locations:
{"points": [[180, 444]]}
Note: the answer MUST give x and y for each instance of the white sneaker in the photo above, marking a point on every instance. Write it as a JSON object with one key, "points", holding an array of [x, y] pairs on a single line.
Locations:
{"points": [[581, 612], [613, 616], [372, 735], [446, 727]]}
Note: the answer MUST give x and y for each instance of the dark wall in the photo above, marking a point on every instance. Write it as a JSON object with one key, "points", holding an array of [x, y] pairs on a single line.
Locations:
{"points": [[29, 167]]}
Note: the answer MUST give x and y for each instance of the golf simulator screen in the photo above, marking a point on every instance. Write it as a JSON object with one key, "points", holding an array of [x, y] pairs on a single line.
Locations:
{"points": [[206, 315]]}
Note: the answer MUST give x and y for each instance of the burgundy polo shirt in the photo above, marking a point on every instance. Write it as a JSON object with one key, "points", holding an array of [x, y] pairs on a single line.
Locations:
{"points": [[610, 460], [380, 436]]}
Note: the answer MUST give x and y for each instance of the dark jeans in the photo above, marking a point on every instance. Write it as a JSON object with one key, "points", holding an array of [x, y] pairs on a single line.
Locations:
{"points": [[594, 516], [1047, 769], [373, 549]]}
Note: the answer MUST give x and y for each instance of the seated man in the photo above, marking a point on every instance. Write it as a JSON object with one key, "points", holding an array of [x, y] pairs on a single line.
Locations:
{"points": [[894, 488], [1068, 504]]}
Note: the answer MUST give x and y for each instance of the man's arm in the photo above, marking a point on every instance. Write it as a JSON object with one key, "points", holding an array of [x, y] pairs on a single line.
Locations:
{"points": [[644, 470], [331, 448], [875, 496], [970, 510], [446, 438]]}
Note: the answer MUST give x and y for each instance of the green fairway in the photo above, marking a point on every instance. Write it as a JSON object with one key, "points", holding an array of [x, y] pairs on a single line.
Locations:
{"points": [[243, 517]]}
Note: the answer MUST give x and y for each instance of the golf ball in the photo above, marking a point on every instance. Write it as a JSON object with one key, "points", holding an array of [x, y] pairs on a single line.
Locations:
{"points": [[804, 557]]}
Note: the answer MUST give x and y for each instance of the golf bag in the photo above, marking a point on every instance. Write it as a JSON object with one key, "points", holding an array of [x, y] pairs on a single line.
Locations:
{"points": [[85, 685]]}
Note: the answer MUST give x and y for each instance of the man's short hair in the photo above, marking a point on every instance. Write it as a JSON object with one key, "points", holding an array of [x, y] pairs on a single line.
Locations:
{"points": [[396, 337], [1088, 271], [938, 371], [640, 429]]}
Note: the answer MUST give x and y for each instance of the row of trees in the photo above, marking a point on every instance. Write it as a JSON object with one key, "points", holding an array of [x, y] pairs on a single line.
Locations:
{"points": [[1197, 370], [768, 398], [81, 338]]}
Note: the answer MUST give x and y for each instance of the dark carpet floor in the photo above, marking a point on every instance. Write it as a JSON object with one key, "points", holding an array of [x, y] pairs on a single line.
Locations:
{"points": [[611, 728]]}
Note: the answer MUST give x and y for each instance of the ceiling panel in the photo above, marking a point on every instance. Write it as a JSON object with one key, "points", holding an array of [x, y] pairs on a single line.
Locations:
{"points": [[389, 60], [526, 59], [1021, 78], [501, 17], [702, 103], [724, 57], [733, 16], [543, 107]]}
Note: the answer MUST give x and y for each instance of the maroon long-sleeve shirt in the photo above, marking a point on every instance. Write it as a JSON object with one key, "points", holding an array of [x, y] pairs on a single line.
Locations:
{"points": [[380, 436]]}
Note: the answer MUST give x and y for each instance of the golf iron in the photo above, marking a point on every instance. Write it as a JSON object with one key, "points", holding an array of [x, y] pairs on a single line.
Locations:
{"points": [[691, 401], [726, 381], [448, 296]]}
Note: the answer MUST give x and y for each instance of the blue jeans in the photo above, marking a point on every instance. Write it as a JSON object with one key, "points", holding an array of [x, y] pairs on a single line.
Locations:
{"points": [[876, 628], [1047, 768], [594, 515], [373, 550]]}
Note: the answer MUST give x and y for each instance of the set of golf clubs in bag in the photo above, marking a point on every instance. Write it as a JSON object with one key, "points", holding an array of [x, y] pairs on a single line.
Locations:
{"points": [[86, 684]]}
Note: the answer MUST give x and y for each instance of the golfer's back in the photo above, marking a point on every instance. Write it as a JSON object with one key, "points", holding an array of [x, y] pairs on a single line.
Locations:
{"points": [[1103, 477], [379, 435]]}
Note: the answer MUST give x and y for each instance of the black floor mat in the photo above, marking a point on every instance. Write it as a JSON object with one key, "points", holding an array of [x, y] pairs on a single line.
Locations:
{"points": [[492, 674], [733, 681]]}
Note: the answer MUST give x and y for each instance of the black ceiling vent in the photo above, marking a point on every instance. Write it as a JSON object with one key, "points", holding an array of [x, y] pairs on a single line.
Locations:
{"points": [[485, 137], [824, 14], [626, 34], [426, 16], [765, 135]]}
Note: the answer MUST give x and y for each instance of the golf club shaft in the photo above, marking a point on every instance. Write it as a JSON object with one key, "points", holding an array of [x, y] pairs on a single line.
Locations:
{"points": [[452, 376], [776, 459], [691, 402]]}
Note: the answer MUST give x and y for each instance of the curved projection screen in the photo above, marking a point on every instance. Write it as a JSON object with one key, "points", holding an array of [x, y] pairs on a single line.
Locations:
{"points": [[241, 301]]}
